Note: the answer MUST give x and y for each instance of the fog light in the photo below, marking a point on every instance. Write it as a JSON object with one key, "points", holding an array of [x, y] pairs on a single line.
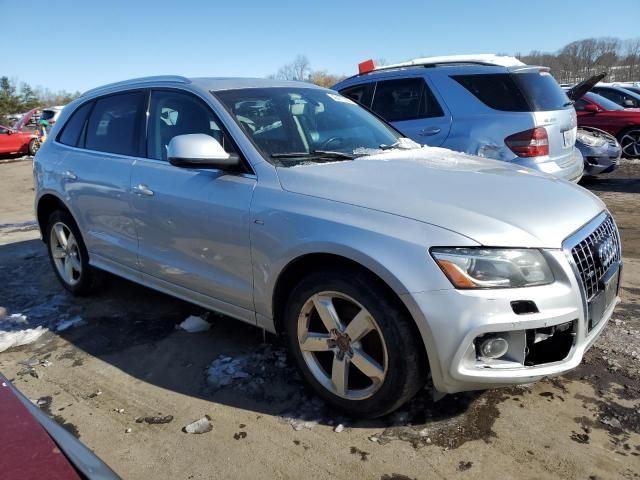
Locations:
{"points": [[493, 347]]}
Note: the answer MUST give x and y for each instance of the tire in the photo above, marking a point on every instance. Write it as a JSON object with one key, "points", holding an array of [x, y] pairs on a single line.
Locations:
{"points": [[393, 358], [34, 146], [68, 255], [630, 142]]}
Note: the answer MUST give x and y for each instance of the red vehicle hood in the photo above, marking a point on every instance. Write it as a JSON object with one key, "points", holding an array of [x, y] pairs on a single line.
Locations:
{"points": [[27, 449]]}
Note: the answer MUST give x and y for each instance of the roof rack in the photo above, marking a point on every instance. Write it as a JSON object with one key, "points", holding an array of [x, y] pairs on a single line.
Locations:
{"points": [[489, 59], [141, 80]]}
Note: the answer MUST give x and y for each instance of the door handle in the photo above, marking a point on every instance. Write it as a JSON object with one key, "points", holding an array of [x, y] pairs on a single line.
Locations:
{"points": [[69, 175], [428, 131], [142, 190]]}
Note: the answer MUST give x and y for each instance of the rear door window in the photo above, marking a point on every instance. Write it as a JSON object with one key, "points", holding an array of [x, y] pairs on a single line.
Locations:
{"points": [[114, 124], [405, 99], [72, 130], [516, 92]]}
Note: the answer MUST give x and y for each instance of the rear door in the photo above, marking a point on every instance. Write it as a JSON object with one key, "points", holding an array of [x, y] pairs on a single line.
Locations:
{"points": [[105, 134], [411, 106], [192, 223]]}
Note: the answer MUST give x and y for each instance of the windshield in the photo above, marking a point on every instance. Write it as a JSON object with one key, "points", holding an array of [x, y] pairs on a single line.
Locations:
{"points": [[603, 102], [292, 125]]}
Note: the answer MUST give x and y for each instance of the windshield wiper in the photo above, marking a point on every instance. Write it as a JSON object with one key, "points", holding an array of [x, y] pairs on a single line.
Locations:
{"points": [[314, 154]]}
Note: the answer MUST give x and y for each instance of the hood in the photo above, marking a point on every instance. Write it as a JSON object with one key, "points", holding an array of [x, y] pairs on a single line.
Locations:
{"points": [[491, 202], [578, 90]]}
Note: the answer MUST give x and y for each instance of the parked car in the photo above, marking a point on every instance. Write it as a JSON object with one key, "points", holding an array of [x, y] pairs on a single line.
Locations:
{"points": [[624, 97], [600, 150], [623, 123], [486, 105], [35, 446], [21, 141], [51, 114], [292, 208]]}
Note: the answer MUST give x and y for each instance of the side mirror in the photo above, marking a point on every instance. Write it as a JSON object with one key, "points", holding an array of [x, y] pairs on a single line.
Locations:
{"points": [[628, 103], [590, 107], [197, 150]]}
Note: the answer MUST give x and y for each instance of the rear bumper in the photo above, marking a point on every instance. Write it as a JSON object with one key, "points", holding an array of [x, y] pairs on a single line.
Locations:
{"points": [[568, 167]]}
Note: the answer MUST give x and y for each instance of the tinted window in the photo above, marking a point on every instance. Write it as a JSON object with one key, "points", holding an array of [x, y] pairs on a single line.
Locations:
{"points": [[73, 128], [47, 115], [405, 99], [175, 113], [580, 104], [516, 92], [360, 93], [603, 102], [113, 124]]}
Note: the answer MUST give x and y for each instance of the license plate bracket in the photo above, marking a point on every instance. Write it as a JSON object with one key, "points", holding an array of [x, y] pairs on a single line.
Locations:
{"points": [[607, 292]]}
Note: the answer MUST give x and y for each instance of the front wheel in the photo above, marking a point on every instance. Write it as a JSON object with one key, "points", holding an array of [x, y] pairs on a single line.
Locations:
{"points": [[353, 343], [630, 143], [68, 254]]}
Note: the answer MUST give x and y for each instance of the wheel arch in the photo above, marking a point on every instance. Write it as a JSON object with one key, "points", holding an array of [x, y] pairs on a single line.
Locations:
{"points": [[47, 204], [296, 268]]}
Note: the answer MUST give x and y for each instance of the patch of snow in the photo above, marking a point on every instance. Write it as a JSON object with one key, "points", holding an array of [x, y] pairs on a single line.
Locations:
{"points": [[14, 332], [193, 324], [68, 323], [202, 425]]}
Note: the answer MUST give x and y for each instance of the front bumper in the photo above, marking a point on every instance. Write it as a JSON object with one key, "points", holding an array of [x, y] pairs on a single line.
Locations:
{"points": [[450, 320]]}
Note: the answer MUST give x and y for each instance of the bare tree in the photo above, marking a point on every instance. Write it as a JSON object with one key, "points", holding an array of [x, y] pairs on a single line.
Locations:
{"points": [[298, 69]]}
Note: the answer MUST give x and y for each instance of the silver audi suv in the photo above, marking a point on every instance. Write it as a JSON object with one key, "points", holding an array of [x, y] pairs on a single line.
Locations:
{"points": [[292, 208]]}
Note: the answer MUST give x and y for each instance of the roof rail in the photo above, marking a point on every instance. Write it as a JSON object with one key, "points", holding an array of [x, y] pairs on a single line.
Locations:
{"points": [[489, 59], [137, 81]]}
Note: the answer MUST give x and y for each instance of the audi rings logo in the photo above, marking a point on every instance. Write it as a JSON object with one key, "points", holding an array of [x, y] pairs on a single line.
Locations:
{"points": [[606, 251]]}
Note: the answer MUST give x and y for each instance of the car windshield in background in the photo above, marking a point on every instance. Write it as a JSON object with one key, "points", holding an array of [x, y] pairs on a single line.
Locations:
{"points": [[603, 102], [516, 92], [47, 115], [291, 125]]}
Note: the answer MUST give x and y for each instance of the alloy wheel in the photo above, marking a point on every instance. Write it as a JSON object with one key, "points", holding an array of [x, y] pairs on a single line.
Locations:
{"points": [[342, 345], [65, 253], [630, 143]]}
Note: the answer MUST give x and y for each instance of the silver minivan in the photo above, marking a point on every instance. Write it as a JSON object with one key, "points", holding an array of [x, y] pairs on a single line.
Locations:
{"points": [[486, 105], [382, 263]]}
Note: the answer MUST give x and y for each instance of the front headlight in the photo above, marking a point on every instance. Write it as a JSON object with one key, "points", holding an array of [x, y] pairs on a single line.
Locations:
{"points": [[493, 267], [590, 140]]}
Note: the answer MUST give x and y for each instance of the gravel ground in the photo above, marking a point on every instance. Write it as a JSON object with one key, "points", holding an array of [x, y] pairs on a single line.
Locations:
{"points": [[114, 370]]}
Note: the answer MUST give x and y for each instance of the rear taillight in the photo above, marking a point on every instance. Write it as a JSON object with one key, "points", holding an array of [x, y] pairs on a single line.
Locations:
{"points": [[530, 143]]}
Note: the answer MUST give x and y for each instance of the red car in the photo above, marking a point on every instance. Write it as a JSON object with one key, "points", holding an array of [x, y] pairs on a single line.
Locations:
{"points": [[596, 111], [34, 446], [20, 139]]}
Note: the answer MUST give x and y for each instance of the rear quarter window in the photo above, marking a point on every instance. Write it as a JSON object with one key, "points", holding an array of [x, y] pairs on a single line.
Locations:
{"points": [[516, 92], [72, 130]]}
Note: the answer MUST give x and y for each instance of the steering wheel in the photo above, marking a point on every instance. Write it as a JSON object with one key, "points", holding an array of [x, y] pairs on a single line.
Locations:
{"points": [[324, 145]]}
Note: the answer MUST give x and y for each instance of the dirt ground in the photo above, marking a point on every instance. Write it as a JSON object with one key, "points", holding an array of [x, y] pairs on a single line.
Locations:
{"points": [[126, 360]]}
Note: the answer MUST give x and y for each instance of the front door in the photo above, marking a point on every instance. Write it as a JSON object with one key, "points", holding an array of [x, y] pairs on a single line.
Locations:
{"points": [[192, 223]]}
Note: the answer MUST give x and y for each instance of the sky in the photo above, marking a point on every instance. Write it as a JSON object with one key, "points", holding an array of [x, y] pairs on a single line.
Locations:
{"points": [[62, 44]]}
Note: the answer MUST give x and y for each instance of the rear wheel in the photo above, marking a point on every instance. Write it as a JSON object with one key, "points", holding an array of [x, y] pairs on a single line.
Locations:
{"points": [[353, 344], [34, 146], [630, 143], [68, 254]]}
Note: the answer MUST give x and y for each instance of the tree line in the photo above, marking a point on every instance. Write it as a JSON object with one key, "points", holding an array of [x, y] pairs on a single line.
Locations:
{"points": [[584, 58], [19, 97], [620, 58]]}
